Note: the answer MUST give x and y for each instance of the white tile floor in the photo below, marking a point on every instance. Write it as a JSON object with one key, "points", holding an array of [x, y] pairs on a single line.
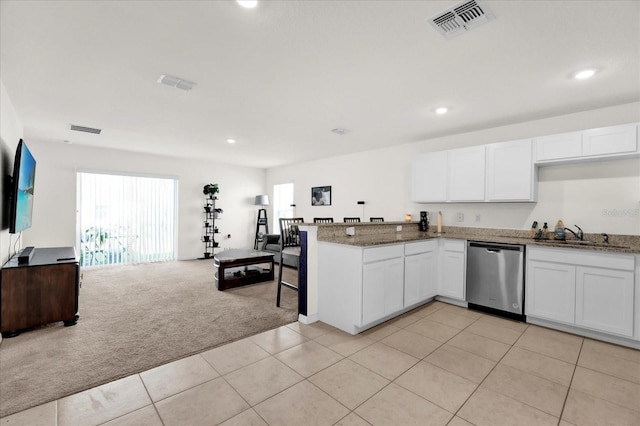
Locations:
{"points": [[437, 365]]}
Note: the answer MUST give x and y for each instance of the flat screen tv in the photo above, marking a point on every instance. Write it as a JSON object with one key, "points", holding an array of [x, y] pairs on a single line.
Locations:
{"points": [[24, 177]]}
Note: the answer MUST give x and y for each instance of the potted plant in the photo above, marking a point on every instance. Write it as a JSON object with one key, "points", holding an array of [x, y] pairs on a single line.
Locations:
{"points": [[216, 213], [211, 189]]}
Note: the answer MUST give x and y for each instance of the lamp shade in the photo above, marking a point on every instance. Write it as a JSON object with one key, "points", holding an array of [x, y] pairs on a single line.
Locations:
{"points": [[262, 200]]}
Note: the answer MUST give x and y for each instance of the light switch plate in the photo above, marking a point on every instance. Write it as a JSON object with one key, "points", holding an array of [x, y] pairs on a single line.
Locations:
{"points": [[399, 228]]}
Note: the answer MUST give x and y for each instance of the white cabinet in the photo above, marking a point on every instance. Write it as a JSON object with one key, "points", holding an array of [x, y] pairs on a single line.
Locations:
{"points": [[558, 147], [428, 177], [420, 271], [587, 289], [604, 300], [550, 291], [452, 266], [466, 174], [382, 289], [510, 174], [610, 140], [604, 142]]}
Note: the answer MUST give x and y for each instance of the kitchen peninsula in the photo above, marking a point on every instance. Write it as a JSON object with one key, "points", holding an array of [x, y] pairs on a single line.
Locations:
{"points": [[386, 269]]}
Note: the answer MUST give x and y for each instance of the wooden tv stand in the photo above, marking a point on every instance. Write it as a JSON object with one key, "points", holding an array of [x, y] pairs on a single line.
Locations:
{"points": [[41, 292]]}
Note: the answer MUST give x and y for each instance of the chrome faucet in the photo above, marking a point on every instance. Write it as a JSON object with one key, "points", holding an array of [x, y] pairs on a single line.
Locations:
{"points": [[579, 235]]}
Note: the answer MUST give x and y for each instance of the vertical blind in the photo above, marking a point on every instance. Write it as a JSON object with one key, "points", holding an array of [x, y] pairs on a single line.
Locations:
{"points": [[282, 201], [126, 219]]}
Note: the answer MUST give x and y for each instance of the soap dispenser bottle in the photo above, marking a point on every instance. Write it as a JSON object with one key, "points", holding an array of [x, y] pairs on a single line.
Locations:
{"points": [[545, 231], [560, 231]]}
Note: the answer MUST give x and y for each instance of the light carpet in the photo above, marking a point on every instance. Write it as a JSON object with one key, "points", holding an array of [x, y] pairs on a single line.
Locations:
{"points": [[133, 318]]}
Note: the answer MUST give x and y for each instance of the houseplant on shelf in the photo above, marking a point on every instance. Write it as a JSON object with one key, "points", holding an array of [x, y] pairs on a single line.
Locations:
{"points": [[211, 189]]}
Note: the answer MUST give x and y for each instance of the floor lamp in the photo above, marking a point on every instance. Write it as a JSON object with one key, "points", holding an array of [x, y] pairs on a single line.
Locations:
{"points": [[262, 201]]}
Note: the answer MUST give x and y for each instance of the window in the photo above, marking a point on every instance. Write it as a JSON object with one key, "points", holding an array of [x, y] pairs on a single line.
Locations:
{"points": [[126, 219], [282, 203]]}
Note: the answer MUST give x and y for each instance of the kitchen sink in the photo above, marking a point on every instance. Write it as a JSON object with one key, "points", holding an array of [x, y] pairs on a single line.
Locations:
{"points": [[579, 243]]}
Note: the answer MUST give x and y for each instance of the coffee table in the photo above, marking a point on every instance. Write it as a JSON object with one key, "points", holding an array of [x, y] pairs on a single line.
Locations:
{"points": [[239, 267]]}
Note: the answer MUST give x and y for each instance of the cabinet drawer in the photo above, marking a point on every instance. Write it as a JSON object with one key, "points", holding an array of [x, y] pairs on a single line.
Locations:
{"points": [[454, 245], [382, 253], [420, 247]]}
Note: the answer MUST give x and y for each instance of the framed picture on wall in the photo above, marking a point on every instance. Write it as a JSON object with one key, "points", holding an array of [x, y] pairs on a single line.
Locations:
{"points": [[321, 196]]}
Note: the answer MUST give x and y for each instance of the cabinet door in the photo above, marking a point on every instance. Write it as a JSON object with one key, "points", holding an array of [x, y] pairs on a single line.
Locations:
{"points": [[551, 291], [382, 289], [420, 277], [466, 174], [558, 147], [428, 179], [604, 300], [452, 279], [610, 140], [510, 171]]}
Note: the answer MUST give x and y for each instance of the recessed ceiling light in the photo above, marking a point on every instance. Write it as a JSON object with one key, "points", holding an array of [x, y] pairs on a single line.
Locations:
{"points": [[584, 74], [248, 4], [442, 110], [231, 141]]}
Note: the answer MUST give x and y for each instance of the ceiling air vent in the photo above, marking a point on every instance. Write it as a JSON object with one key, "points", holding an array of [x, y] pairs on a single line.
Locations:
{"points": [[85, 129], [461, 18], [177, 82]]}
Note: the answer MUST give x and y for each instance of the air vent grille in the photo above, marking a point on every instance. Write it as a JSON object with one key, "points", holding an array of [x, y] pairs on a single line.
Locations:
{"points": [[85, 129], [177, 82], [461, 18]]}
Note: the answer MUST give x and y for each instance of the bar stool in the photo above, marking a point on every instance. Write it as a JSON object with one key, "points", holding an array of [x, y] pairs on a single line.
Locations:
{"points": [[322, 220], [351, 219], [376, 219], [289, 245]]}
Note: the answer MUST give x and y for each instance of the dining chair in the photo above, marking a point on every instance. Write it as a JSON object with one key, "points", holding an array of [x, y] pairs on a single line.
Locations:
{"points": [[322, 220], [376, 219], [351, 219], [289, 245]]}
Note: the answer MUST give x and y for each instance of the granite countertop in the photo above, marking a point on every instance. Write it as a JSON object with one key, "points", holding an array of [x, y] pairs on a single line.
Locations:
{"points": [[618, 243]]}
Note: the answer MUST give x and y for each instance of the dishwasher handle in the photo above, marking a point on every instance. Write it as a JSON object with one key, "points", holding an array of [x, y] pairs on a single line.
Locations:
{"points": [[495, 247]]}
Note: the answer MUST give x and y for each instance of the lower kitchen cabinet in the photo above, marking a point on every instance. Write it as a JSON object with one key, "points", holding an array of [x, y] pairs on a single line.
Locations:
{"points": [[580, 288], [420, 271], [550, 291], [359, 287], [453, 265], [604, 300], [382, 289]]}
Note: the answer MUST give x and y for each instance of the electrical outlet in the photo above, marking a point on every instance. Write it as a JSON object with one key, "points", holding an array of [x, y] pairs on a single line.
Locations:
{"points": [[477, 217], [460, 217], [399, 228]]}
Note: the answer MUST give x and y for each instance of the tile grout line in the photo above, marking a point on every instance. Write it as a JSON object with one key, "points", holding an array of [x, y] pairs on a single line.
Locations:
{"points": [[575, 367]]}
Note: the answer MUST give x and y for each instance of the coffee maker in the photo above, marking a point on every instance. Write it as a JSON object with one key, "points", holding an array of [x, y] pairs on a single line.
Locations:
{"points": [[424, 221]]}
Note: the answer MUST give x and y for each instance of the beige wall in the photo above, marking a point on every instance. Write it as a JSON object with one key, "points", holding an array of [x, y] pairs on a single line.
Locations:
{"points": [[599, 196], [54, 215], [10, 133]]}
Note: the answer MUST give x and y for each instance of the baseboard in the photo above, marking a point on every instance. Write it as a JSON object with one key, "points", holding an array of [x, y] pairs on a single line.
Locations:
{"points": [[307, 319]]}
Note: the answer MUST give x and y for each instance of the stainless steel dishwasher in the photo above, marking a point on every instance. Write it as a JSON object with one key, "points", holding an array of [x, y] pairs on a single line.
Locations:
{"points": [[495, 278]]}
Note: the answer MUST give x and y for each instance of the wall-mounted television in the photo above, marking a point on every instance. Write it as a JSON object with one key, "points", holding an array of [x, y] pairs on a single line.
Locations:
{"points": [[23, 180]]}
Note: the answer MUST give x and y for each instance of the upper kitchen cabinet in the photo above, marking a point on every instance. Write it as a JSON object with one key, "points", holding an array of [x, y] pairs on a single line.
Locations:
{"points": [[558, 147], [511, 174], [466, 174], [428, 175], [593, 144], [494, 173], [610, 140]]}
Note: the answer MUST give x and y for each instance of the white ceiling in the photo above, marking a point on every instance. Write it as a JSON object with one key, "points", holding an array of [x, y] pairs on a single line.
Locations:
{"points": [[279, 77]]}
